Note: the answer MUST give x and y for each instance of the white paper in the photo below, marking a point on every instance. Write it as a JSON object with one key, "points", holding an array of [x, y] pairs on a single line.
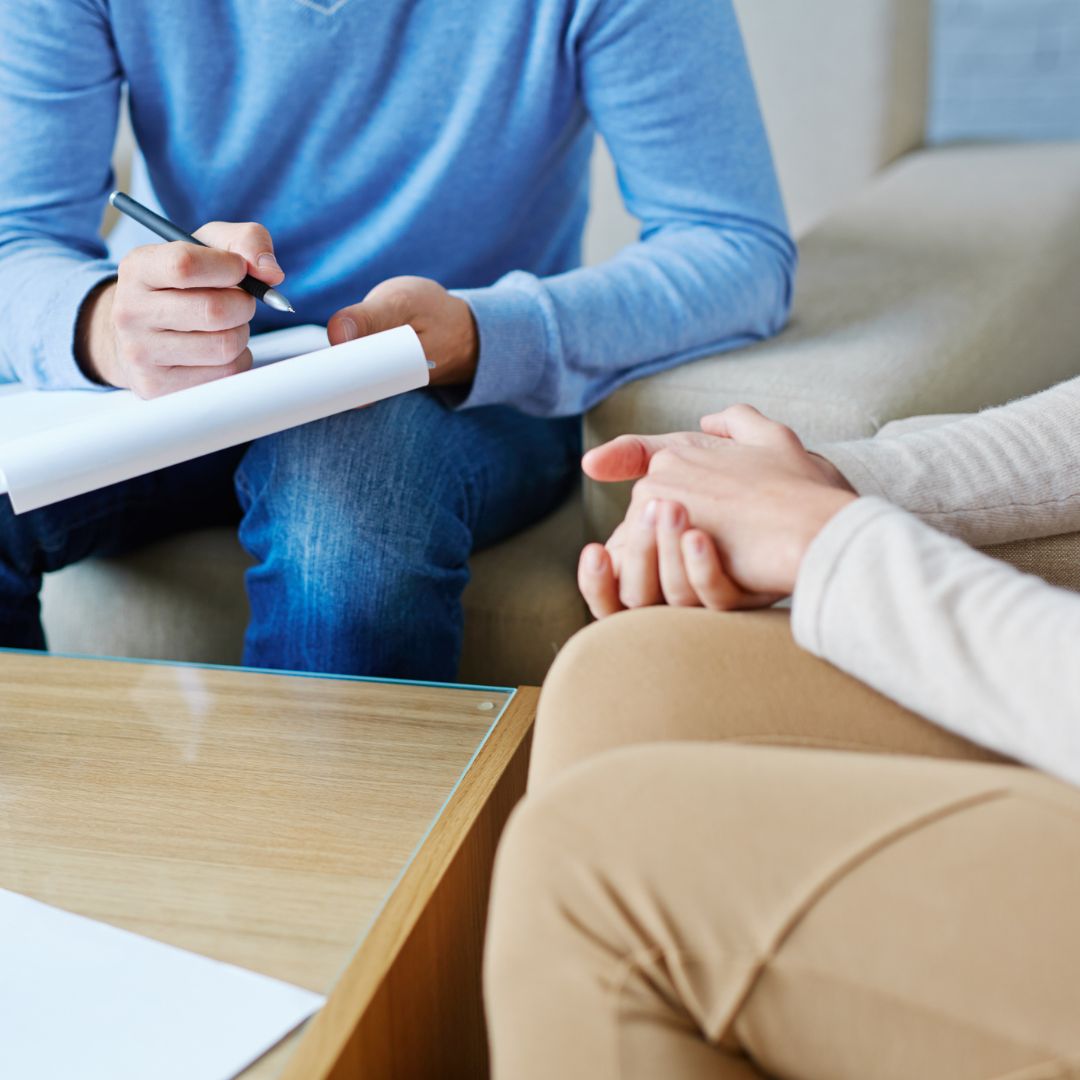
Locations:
{"points": [[82, 999], [56, 444]]}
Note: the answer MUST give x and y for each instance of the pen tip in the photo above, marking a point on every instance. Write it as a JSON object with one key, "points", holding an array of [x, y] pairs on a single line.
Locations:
{"points": [[272, 298]]}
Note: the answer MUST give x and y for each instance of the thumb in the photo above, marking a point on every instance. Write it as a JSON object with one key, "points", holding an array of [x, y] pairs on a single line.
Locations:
{"points": [[744, 424], [392, 303], [248, 239], [627, 457], [361, 320]]}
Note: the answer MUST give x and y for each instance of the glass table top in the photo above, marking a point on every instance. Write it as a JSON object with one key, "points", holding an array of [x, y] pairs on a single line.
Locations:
{"points": [[258, 818]]}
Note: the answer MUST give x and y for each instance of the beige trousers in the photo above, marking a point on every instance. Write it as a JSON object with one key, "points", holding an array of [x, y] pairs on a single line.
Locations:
{"points": [[670, 904]]}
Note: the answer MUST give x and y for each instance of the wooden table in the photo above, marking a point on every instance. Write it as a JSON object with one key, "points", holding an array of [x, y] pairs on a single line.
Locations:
{"points": [[335, 833]]}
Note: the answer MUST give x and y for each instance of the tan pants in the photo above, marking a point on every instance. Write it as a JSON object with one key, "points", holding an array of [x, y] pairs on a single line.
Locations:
{"points": [[668, 904]]}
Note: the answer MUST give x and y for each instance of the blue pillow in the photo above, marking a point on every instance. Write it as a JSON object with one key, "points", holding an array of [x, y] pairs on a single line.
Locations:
{"points": [[1005, 69]]}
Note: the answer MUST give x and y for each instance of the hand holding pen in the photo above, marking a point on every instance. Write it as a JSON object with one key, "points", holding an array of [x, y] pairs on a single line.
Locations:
{"points": [[178, 313]]}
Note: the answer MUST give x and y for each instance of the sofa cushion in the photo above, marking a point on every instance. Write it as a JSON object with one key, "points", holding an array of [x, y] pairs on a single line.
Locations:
{"points": [[179, 599], [183, 599], [949, 284], [1056, 559], [843, 88], [522, 603]]}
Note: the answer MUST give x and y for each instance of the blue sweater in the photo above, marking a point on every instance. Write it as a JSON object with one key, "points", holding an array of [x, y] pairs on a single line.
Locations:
{"points": [[445, 138]]}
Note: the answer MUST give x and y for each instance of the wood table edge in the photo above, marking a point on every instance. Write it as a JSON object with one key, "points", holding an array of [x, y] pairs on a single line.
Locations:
{"points": [[325, 1042]]}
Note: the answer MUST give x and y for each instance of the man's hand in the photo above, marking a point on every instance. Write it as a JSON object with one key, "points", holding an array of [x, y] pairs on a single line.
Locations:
{"points": [[721, 518], [173, 318], [444, 324]]}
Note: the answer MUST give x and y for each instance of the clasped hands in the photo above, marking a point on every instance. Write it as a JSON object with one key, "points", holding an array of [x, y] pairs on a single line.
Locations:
{"points": [[174, 318], [720, 518]]}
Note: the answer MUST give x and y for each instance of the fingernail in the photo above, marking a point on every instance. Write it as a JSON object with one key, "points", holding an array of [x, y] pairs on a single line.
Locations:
{"points": [[697, 545], [594, 560], [674, 516], [651, 509], [348, 328], [267, 261]]}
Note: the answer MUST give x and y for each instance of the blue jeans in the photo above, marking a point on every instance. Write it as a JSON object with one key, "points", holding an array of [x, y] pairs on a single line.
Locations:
{"points": [[361, 526]]}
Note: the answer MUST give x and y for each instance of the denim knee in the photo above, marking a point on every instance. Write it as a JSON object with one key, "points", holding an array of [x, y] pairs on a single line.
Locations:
{"points": [[373, 483], [361, 548]]}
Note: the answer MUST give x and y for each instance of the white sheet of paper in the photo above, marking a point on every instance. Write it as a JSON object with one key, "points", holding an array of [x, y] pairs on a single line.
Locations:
{"points": [[56, 444], [79, 998]]}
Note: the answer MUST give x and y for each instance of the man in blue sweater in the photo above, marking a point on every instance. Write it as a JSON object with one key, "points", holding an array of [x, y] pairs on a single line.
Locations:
{"points": [[407, 161]]}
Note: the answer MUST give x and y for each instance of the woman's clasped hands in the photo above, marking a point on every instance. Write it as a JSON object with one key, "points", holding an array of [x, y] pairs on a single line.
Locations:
{"points": [[720, 518]]}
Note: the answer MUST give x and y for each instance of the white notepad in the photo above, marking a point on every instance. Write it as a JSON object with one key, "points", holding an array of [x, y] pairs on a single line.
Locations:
{"points": [[55, 444], [80, 999]]}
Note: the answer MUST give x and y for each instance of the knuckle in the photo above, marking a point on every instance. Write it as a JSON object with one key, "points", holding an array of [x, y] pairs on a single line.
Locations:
{"points": [[704, 574], [123, 315], [662, 460], [251, 232], [215, 311], [365, 323], [134, 262], [182, 263], [394, 295], [225, 347], [399, 300], [233, 343], [133, 352]]}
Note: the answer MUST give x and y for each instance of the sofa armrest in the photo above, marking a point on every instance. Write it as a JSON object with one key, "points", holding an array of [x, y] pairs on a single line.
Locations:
{"points": [[947, 285]]}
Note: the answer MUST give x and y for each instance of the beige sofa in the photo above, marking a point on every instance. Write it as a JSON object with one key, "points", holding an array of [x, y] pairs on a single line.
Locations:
{"points": [[932, 280]]}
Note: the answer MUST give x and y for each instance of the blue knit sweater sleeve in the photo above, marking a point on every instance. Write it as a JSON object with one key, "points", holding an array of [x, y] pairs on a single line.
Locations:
{"points": [[59, 102], [669, 88]]}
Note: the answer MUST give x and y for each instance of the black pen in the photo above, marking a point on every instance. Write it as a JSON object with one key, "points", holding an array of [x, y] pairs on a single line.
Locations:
{"points": [[168, 231]]}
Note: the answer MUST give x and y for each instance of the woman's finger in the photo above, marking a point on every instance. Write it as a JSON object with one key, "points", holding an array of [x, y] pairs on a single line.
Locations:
{"points": [[744, 424], [639, 576], [615, 544], [672, 521], [596, 580], [706, 575]]}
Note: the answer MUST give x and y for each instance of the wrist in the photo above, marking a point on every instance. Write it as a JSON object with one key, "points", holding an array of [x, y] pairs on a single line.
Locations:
{"points": [[95, 339], [815, 513], [457, 363], [833, 476]]}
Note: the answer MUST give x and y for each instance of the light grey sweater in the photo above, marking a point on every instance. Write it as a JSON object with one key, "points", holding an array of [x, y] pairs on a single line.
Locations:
{"points": [[958, 637]]}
